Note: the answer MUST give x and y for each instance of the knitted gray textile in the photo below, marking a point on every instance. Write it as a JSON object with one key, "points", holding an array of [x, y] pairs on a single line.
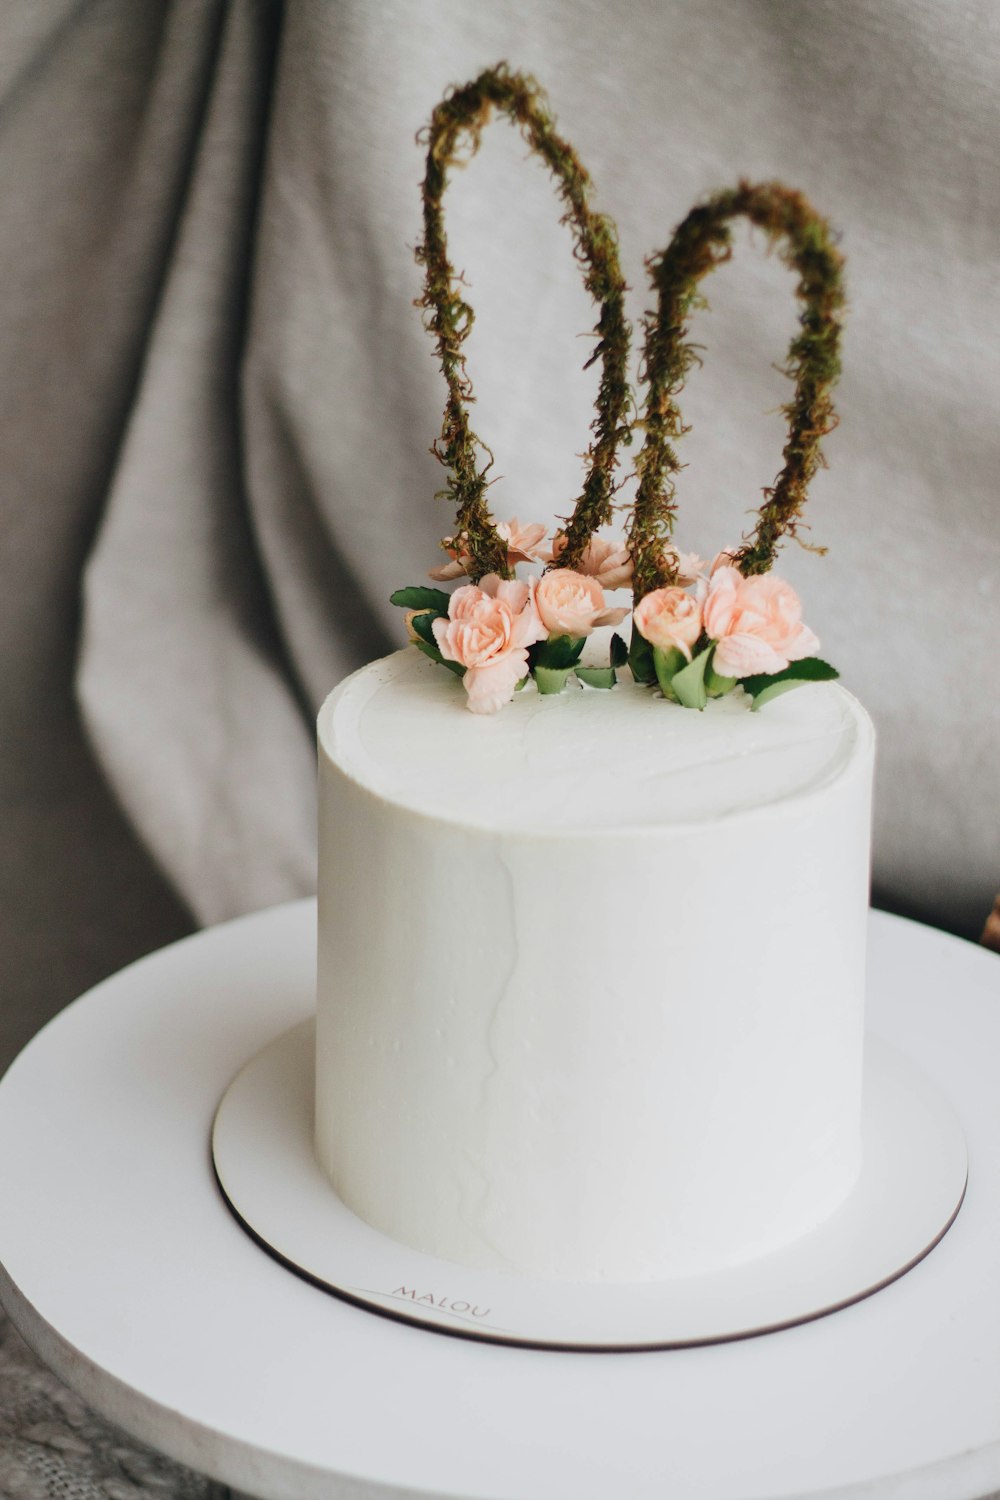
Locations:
{"points": [[52, 1447]]}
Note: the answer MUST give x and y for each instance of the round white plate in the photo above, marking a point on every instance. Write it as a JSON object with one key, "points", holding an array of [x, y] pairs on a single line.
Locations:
{"points": [[911, 1188]]}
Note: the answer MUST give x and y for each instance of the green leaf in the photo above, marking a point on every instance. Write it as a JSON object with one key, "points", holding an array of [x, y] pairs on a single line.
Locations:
{"points": [[689, 684], [716, 685], [619, 651], [561, 651], [429, 650], [775, 691], [423, 625], [417, 597], [764, 686], [809, 669], [551, 679], [640, 658], [667, 664], [597, 677], [435, 655]]}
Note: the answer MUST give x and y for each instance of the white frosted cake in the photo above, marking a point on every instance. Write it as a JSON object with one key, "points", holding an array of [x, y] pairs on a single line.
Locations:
{"points": [[592, 946], [591, 971]]}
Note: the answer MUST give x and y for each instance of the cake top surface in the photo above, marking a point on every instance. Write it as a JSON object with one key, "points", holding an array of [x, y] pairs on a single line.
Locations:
{"points": [[398, 727]]}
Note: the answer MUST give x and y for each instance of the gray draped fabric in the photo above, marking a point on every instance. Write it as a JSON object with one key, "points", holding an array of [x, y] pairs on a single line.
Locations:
{"points": [[218, 402], [250, 534]]}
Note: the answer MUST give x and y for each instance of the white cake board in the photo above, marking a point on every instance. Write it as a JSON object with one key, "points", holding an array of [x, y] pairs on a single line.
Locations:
{"points": [[912, 1183]]}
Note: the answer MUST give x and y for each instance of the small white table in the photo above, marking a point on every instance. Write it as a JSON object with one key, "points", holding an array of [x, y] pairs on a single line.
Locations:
{"points": [[121, 1265]]}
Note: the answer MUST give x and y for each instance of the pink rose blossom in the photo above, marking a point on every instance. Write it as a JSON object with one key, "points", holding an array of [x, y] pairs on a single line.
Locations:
{"points": [[604, 559], [571, 604], [669, 618], [458, 567], [724, 559], [757, 623], [523, 541], [488, 631], [690, 567], [493, 685], [719, 600], [523, 545]]}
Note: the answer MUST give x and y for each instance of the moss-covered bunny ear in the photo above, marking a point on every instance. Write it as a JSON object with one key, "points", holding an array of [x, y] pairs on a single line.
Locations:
{"points": [[453, 135], [701, 243]]}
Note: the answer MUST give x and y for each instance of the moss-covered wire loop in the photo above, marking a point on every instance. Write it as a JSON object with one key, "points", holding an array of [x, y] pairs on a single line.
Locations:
{"points": [[452, 136], [701, 243]]}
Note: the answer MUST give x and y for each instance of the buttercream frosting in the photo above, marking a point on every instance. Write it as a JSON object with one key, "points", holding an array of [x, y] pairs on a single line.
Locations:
{"points": [[591, 970]]}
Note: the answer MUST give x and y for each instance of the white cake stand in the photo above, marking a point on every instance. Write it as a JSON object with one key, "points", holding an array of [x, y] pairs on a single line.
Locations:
{"points": [[124, 1268]]}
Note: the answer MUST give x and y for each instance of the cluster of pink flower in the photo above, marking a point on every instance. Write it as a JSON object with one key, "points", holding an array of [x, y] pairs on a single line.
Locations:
{"points": [[695, 639], [489, 628], [604, 560], [755, 623]]}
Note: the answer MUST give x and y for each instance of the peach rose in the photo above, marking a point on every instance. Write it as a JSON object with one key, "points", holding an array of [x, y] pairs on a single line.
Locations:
{"points": [[604, 559], [690, 567], [668, 618], [488, 631], [757, 623], [569, 603], [724, 559], [458, 567], [523, 545], [719, 600], [524, 542]]}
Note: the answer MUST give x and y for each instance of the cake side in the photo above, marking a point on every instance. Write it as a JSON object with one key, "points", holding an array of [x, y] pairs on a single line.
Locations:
{"points": [[563, 1040]]}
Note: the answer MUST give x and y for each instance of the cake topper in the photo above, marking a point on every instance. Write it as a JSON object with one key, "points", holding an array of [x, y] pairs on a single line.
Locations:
{"points": [[698, 630]]}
